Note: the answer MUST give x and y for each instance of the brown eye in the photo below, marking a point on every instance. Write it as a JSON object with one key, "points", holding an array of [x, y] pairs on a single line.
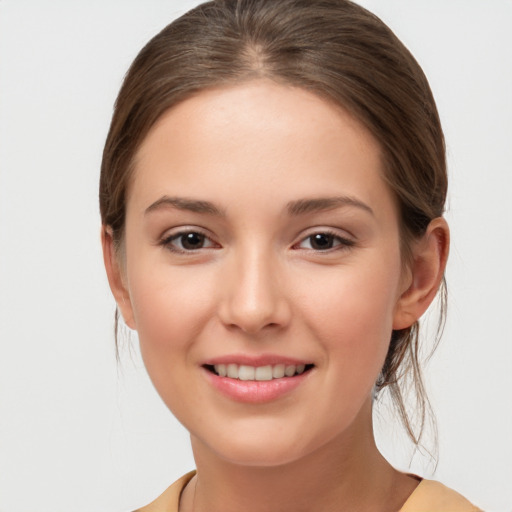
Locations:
{"points": [[188, 241], [191, 241], [323, 241]]}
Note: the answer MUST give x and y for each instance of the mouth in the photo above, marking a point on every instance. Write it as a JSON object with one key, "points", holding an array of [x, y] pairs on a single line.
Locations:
{"points": [[258, 373]]}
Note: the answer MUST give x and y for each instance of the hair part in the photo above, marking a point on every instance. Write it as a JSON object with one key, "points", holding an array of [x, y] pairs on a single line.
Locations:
{"points": [[333, 48]]}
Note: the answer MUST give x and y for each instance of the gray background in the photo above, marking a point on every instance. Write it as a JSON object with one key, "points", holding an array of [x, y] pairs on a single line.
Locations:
{"points": [[79, 433]]}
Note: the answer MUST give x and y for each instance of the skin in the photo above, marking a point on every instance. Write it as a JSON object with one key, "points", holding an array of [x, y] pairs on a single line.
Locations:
{"points": [[259, 285]]}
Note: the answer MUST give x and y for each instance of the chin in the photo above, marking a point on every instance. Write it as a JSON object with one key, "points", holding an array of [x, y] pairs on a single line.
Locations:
{"points": [[257, 456], [260, 444]]}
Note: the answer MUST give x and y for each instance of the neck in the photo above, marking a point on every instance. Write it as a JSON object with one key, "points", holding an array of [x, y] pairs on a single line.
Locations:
{"points": [[347, 473]]}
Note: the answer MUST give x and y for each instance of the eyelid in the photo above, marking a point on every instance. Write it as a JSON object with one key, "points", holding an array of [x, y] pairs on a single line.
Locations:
{"points": [[346, 241], [173, 234]]}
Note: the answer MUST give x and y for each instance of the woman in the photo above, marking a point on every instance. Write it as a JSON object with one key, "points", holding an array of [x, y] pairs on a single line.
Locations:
{"points": [[272, 192]]}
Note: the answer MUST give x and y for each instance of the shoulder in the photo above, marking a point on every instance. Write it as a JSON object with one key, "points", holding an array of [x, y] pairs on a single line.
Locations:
{"points": [[431, 496], [169, 500]]}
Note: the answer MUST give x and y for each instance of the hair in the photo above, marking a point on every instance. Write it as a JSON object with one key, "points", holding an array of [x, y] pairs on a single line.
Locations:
{"points": [[333, 48]]}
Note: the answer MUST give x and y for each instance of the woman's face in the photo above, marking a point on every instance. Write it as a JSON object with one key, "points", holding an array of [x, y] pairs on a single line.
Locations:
{"points": [[261, 239]]}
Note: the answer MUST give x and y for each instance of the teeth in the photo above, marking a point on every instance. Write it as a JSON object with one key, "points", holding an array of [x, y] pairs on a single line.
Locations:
{"points": [[221, 369], [246, 372], [289, 370], [232, 371], [269, 372], [278, 371], [263, 373]]}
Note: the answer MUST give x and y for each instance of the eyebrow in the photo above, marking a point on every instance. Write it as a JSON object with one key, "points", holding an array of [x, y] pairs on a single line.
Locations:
{"points": [[184, 203], [319, 204], [298, 207]]}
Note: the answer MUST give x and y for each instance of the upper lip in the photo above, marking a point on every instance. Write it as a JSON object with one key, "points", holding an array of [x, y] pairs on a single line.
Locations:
{"points": [[252, 360]]}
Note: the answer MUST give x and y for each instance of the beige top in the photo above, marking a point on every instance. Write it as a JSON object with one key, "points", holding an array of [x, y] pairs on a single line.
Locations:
{"points": [[429, 496]]}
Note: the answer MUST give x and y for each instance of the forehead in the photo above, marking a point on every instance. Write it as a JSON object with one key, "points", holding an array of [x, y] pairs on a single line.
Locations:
{"points": [[257, 138]]}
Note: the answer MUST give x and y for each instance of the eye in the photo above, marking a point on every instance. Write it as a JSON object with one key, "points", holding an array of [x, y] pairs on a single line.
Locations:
{"points": [[323, 241], [187, 241]]}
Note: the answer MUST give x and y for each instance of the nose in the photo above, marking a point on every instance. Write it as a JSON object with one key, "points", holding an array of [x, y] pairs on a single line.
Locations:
{"points": [[254, 298]]}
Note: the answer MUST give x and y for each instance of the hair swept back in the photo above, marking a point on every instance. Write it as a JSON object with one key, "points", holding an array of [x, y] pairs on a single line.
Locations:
{"points": [[333, 48]]}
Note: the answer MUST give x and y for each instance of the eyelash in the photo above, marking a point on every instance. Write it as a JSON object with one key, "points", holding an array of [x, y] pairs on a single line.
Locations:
{"points": [[340, 243], [167, 242]]}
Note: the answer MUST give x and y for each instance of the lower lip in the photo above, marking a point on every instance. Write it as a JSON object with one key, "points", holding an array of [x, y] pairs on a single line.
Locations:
{"points": [[255, 391]]}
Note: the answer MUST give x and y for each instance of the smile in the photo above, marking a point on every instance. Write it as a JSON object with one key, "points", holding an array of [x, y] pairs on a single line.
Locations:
{"points": [[258, 373]]}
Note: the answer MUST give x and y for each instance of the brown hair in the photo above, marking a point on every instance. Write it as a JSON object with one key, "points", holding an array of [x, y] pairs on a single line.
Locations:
{"points": [[334, 48]]}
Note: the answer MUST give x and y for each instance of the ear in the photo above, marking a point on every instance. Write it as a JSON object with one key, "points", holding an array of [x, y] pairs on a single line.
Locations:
{"points": [[429, 255], [116, 276]]}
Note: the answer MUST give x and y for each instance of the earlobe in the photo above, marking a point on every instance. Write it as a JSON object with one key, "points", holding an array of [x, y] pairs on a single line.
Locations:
{"points": [[429, 256], [115, 277]]}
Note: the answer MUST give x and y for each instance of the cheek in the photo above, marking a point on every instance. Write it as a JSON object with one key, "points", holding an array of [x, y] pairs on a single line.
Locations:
{"points": [[170, 297], [351, 313], [171, 308]]}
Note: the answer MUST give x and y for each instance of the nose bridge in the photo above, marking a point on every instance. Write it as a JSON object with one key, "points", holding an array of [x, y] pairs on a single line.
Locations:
{"points": [[254, 297]]}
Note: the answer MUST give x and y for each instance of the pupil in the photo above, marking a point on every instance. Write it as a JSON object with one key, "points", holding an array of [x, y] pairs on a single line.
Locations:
{"points": [[321, 241], [192, 241]]}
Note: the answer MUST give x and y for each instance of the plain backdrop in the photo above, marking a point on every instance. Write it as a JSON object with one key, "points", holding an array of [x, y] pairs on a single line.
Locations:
{"points": [[80, 433]]}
